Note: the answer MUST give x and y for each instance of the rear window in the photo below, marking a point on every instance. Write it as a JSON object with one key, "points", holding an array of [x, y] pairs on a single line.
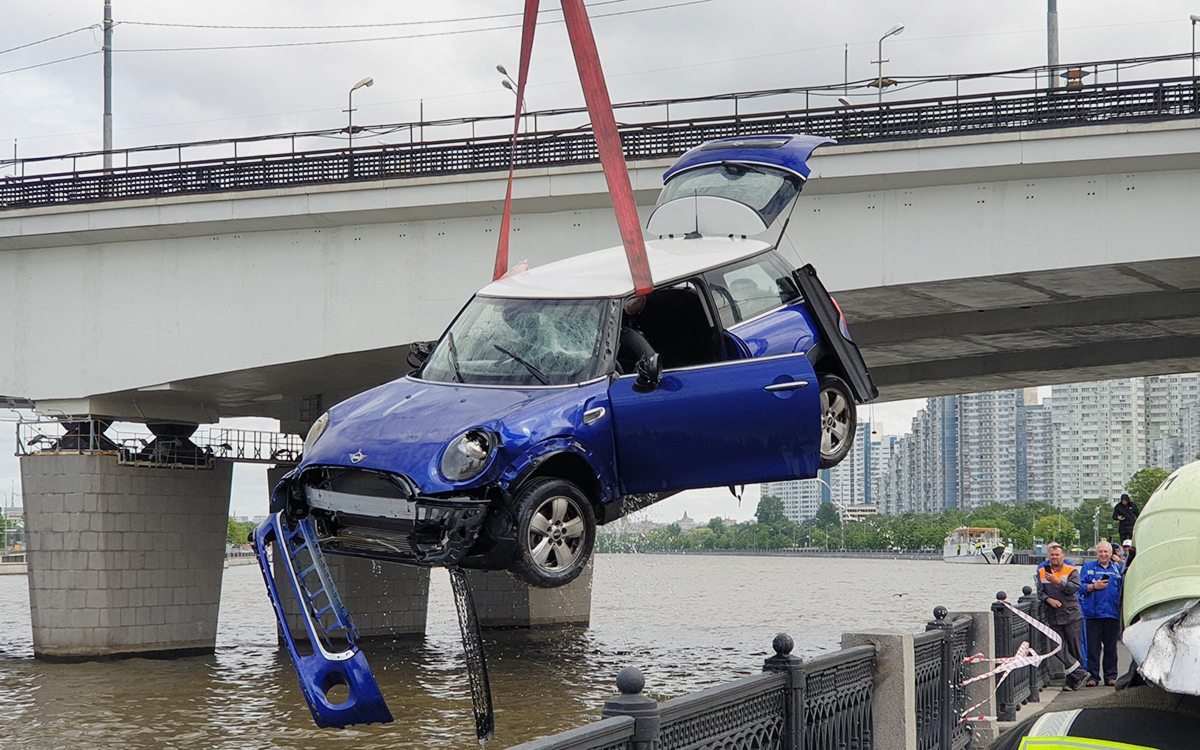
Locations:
{"points": [[750, 288], [765, 189]]}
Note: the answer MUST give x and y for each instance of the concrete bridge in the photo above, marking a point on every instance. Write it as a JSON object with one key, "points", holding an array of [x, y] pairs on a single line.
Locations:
{"points": [[995, 257]]}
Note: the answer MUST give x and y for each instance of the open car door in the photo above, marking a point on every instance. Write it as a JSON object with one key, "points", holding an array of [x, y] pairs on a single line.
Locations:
{"points": [[828, 317], [737, 422]]}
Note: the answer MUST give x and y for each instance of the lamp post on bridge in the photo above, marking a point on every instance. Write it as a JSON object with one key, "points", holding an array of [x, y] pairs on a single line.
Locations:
{"points": [[368, 81], [1195, 19], [511, 85], [879, 81]]}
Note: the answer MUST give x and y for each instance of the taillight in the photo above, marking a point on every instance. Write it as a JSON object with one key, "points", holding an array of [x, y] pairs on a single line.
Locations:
{"points": [[839, 309]]}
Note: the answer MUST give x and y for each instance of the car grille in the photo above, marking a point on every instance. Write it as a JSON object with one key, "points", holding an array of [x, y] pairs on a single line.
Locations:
{"points": [[361, 482], [363, 539]]}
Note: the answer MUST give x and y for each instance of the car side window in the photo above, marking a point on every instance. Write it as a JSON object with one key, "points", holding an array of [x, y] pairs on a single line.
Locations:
{"points": [[748, 289]]}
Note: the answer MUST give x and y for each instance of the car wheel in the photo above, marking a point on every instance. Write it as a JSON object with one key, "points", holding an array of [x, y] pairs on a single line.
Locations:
{"points": [[556, 530], [839, 420]]}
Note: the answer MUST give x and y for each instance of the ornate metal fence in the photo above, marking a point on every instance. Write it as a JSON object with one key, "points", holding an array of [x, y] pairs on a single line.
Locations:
{"points": [[1022, 685], [837, 700], [919, 118], [1040, 677], [938, 655], [748, 713], [928, 650], [822, 705]]}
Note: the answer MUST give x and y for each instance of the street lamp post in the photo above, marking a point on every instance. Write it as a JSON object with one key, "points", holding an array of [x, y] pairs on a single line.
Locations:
{"points": [[511, 85], [368, 81], [1195, 19], [890, 32]]}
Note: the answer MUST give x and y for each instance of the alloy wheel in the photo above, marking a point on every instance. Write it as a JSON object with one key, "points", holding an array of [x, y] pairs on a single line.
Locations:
{"points": [[835, 421], [556, 534]]}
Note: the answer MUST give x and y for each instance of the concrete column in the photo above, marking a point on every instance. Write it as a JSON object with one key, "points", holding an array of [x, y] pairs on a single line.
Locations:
{"points": [[123, 560], [983, 641], [504, 602], [384, 599], [895, 704]]}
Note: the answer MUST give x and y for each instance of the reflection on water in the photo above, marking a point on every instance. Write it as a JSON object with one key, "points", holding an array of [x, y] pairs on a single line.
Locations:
{"points": [[685, 621]]}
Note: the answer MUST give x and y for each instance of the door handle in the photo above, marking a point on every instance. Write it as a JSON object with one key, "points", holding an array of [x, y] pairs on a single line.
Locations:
{"points": [[788, 386]]}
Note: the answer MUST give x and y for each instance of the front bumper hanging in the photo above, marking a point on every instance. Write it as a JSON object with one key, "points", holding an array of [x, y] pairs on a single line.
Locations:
{"points": [[326, 622]]}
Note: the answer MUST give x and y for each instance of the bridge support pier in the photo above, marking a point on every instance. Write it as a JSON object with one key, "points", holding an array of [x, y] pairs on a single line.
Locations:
{"points": [[502, 601], [123, 560], [384, 599]]}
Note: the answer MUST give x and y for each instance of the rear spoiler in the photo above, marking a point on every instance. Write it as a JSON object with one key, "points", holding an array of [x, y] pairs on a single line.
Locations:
{"points": [[851, 366]]}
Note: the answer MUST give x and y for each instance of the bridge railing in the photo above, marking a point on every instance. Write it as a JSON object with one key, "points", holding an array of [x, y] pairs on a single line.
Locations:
{"points": [[918, 118], [200, 450]]}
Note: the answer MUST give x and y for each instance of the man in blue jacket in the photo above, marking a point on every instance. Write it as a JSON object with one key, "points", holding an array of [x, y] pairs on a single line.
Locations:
{"points": [[1100, 601]]}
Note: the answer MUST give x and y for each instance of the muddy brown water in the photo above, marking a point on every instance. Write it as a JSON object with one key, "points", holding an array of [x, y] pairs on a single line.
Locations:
{"points": [[686, 621]]}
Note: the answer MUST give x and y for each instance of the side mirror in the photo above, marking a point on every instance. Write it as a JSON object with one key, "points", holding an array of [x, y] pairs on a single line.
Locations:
{"points": [[418, 352], [649, 373]]}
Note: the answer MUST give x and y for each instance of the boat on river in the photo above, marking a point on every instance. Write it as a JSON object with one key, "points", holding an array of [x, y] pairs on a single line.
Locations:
{"points": [[980, 545]]}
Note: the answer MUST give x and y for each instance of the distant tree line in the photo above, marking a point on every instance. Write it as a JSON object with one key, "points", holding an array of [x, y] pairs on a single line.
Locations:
{"points": [[913, 532], [239, 531]]}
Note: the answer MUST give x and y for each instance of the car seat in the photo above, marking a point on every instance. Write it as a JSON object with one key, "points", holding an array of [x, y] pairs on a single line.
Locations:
{"points": [[677, 326]]}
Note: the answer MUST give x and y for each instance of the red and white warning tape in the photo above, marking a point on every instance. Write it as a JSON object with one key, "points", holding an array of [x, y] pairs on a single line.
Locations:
{"points": [[1025, 656]]}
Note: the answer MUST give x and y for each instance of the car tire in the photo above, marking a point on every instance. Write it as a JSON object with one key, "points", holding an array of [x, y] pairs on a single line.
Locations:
{"points": [[839, 420], [556, 531]]}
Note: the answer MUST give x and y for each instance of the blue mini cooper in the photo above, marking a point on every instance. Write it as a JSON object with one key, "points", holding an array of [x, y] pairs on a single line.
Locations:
{"points": [[557, 400]]}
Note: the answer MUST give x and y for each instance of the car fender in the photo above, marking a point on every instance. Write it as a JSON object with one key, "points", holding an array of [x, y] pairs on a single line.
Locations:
{"points": [[279, 491], [528, 463]]}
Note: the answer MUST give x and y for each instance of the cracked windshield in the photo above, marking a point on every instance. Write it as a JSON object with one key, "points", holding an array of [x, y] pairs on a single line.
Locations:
{"points": [[498, 341]]}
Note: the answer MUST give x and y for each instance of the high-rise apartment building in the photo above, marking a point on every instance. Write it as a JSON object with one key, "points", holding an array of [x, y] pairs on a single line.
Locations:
{"points": [[1084, 442], [988, 441], [850, 480], [854, 481], [800, 498], [1035, 452], [1099, 438]]}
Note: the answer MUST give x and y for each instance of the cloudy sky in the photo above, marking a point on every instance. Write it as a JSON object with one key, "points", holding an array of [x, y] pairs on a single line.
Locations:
{"points": [[165, 90], [187, 71]]}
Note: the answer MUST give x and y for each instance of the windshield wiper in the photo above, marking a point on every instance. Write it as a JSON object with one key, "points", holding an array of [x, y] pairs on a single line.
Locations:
{"points": [[533, 370], [454, 356]]}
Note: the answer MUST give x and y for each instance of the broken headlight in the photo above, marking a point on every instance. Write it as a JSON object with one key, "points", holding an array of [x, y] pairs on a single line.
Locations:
{"points": [[467, 455], [315, 432]]}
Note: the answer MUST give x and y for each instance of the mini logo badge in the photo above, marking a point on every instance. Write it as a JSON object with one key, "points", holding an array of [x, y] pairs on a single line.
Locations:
{"points": [[357, 457]]}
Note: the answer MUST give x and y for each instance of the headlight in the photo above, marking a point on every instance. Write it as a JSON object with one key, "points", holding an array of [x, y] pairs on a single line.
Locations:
{"points": [[467, 455], [315, 432]]}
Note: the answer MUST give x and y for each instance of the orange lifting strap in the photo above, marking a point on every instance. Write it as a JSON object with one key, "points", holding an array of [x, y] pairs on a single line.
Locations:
{"points": [[604, 125]]}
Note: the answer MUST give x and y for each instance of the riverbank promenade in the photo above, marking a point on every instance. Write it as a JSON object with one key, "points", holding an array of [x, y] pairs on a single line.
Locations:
{"points": [[884, 690]]}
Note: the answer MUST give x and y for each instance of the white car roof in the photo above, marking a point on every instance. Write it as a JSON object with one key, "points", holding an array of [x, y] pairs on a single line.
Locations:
{"points": [[605, 273]]}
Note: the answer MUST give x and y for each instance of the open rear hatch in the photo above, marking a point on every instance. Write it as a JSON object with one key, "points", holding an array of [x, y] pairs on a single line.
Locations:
{"points": [[733, 186]]}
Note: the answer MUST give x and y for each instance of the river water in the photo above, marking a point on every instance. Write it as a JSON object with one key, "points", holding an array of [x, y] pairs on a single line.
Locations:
{"points": [[685, 621]]}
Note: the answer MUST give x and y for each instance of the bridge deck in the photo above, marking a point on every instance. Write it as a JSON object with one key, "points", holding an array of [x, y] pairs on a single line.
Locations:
{"points": [[1143, 100]]}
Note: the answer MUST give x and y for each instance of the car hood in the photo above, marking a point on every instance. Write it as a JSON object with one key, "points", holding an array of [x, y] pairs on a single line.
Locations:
{"points": [[403, 426]]}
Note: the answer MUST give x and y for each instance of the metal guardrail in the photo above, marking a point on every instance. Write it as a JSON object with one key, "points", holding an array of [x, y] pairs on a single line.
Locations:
{"points": [[201, 450], [1156, 99]]}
